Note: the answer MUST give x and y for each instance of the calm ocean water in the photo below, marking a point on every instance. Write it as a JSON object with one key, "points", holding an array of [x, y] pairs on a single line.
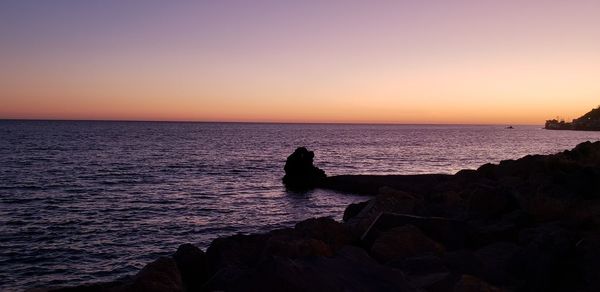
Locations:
{"points": [[92, 201]]}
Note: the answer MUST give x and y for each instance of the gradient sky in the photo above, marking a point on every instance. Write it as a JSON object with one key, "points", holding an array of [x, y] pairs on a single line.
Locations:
{"points": [[421, 61]]}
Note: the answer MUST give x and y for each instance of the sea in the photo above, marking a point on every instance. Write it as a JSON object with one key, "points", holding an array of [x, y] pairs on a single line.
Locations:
{"points": [[90, 201]]}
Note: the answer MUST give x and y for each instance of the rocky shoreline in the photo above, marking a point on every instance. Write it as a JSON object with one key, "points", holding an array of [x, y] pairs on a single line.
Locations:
{"points": [[531, 224]]}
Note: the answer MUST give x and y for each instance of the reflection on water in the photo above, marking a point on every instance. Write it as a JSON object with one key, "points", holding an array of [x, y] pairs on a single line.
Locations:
{"points": [[82, 201]]}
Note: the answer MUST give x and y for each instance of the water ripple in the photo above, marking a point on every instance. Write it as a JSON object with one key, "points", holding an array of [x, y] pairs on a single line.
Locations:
{"points": [[93, 201]]}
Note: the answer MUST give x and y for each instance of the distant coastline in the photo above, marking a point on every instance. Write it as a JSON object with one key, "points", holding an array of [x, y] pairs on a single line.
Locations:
{"points": [[588, 122], [263, 122]]}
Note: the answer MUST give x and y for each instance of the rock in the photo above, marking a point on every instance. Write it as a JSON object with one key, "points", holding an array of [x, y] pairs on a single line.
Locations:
{"points": [[297, 248], [433, 282], [333, 233], [160, 275], [588, 261], [353, 209], [468, 283], [546, 261], [488, 170], [463, 262], [402, 242], [420, 265], [586, 152], [351, 269], [453, 234], [386, 202], [506, 228], [485, 202], [491, 263], [426, 272], [119, 285], [543, 208], [232, 257], [235, 252], [300, 173], [496, 259], [191, 262]]}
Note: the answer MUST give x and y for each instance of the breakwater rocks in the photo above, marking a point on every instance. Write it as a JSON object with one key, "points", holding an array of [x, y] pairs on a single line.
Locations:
{"points": [[531, 224]]}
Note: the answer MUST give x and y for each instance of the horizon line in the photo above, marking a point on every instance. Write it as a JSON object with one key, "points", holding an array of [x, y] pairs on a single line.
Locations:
{"points": [[264, 122]]}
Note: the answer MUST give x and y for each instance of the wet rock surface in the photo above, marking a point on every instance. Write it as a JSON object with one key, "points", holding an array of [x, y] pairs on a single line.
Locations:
{"points": [[531, 224]]}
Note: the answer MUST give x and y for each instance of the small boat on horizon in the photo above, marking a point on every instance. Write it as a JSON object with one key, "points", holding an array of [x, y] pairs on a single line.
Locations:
{"points": [[510, 127]]}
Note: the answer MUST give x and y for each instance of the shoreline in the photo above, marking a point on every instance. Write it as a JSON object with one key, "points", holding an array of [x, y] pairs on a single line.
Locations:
{"points": [[531, 224]]}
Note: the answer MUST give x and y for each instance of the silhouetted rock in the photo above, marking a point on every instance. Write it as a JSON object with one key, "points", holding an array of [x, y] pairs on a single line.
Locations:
{"points": [[463, 261], [468, 283], [353, 209], [485, 202], [297, 248], [333, 233], [427, 263], [588, 261], [160, 275], [300, 173], [235, 252], [350, 269], [495, 259], [545, 263], [453, 234], [388, 201], [191, 262], [433, 282], [401, 242]]}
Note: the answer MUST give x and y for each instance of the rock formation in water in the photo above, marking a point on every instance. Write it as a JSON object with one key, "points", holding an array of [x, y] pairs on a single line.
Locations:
{"points": [[588, 122], [300, 173], [531, 224]]}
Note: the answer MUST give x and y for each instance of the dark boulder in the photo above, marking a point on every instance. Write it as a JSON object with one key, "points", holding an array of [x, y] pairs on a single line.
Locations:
{"points": [[235, 252], [296, 247], [545, 263], [350, 269], [331, 232], [453, 234], [353, 209], [426, 272], [463, 262], [588, 261], [300, 173], [388, 201], [436, 282], [485, 202], [468, 283], [495, 259], [191, 262], [506, 228], [402, 242], [420, 265], [159, 275]]}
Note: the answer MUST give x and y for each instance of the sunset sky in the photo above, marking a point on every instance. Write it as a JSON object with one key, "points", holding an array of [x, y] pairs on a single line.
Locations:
{"points": [[421, 61]]}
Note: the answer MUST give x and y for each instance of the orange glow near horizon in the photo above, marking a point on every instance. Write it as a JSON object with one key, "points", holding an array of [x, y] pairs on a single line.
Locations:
{"points": [[400, 62]]}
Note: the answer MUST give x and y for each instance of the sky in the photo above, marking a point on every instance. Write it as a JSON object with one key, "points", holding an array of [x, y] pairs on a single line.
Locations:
{"points": [[342, 61]]}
